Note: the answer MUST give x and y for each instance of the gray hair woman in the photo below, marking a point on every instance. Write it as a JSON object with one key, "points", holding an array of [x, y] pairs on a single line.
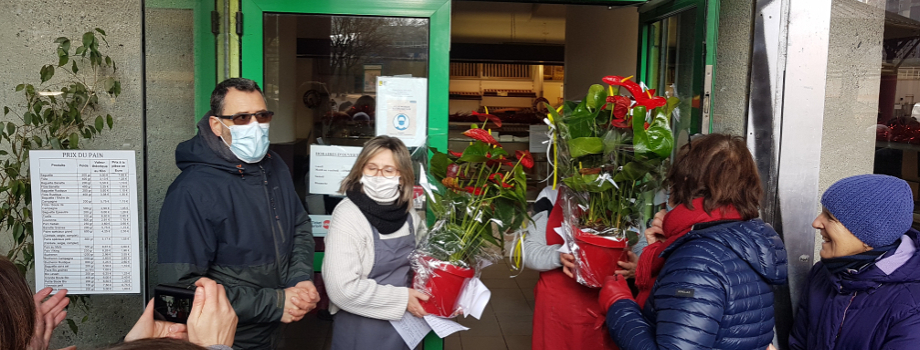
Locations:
{"points": [[371, 234]]}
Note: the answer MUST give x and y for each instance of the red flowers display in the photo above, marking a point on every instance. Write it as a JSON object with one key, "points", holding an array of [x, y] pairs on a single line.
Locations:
{"points": [[643, 97], [481, 135], [484, 117], [525, 158]]}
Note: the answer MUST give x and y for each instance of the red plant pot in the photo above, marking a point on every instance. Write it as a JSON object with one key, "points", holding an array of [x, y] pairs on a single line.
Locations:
{"points": [[597, 256], [443, 286]]}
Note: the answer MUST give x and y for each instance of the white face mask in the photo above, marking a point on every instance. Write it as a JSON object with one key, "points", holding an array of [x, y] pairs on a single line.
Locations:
{"points": [[381, 189]]}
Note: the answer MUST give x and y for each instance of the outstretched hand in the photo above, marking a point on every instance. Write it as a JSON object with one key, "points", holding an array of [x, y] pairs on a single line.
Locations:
{"points": [[48, 315]]}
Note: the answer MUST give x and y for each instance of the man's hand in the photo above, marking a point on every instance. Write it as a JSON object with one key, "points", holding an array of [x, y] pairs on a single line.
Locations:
{"points": [[414, 306], [568, 264], [655, 232], [628, 267], [48, 315], [212, 320], [146, 327], [298, 301]]}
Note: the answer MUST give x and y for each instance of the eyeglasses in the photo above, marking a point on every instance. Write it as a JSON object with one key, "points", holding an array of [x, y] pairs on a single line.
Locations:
{"points": [[246, 118], [388, 172]]}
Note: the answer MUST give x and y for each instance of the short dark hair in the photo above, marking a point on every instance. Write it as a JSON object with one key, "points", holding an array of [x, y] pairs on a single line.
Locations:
{"points": [[720, 169], [156, 344], [241, 84], [17, 308]]}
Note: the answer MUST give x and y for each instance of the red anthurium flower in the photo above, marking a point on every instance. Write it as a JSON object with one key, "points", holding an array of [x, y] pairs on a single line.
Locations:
{"points": [[525, 157], [452, 170], [643, 98], [455, 154], [494, 176], [474, 190], [620, 106], [646, 125], [481, 135], [490, 117], [621, 123]]}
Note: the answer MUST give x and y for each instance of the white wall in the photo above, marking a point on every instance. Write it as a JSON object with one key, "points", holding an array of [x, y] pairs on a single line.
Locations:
{"points": [[598, 42]]}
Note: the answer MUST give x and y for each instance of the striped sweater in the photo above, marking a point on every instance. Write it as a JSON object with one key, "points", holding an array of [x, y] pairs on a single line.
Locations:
{"points": [[348, 260]]}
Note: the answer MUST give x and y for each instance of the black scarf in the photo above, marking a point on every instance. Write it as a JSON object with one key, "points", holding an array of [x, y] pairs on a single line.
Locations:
{"points": [[385, 218], [858, 262]]}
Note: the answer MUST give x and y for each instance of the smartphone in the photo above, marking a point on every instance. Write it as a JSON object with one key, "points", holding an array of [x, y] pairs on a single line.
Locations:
{"points": [[173, 303]]}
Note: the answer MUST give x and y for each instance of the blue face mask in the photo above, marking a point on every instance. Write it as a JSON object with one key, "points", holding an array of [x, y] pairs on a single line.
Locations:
{"points": [[249, 142]]}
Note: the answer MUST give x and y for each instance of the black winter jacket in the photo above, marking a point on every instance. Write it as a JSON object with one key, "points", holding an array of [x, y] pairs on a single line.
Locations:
{"points": [[239, 224]]}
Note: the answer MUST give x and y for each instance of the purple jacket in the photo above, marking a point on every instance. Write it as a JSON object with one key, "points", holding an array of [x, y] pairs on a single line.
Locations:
{"points": [[877, 308]]}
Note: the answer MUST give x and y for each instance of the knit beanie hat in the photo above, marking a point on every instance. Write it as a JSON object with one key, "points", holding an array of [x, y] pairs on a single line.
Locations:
{"points": [[877, 209]]}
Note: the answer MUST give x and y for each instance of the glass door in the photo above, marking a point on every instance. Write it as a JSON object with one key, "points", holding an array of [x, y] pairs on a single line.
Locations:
{"points": [[324, 67], [676, 60]]}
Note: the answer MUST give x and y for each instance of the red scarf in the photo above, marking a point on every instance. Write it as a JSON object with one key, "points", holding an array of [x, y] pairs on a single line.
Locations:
{"points": [[677, 223]]}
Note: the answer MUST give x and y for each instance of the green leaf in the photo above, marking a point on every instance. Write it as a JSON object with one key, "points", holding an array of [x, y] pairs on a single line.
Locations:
{"points": [[640, 137], [65, 45], [100, 31], [108, 61], [108, 83], [439, 163], [72, 325], [109, 120], [62, 60], [597, 96], [583, 146], [660, 137], [74, 68], [20, 87], [17, 233], [84, 319], [99, 123], [74, 141], [475, 153], [633, 171], [61, 39], [80, 51], [55, 143], [38, 140], [47, 72], [6, 110], [10, 129], [3, 153], [27, 118], [116, 89], [88, 39]]}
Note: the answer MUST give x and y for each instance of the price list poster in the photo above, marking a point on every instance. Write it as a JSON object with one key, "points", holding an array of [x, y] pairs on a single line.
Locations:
{"points": [[84, 213]]}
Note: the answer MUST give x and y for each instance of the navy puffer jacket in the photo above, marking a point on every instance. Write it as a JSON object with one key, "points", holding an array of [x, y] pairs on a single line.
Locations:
{"points": [[875, 308], [712, 293]]}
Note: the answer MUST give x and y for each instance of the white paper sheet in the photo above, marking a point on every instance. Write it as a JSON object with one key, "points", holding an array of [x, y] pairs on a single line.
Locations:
{"points": [[84, 211], [474, 298], [412, 329], [443, 326], [329, 165]]}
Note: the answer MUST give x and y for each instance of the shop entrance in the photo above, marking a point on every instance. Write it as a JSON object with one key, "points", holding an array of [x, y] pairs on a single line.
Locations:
{"points": [[318, 63]]}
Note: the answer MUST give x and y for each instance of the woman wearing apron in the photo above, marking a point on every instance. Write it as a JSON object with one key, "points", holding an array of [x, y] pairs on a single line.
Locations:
{"points": [[371, 234]]}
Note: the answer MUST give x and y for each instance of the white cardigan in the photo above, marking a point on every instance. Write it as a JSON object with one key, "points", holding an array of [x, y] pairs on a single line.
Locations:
{"points": [[348, 260]]}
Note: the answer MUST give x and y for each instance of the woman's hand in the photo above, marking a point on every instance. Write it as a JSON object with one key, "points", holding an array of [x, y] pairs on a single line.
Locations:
{"points": [[415, 307], [655, 232], [629, 267], [568, 264], [48, 315], [146, 327], [212, 320]]}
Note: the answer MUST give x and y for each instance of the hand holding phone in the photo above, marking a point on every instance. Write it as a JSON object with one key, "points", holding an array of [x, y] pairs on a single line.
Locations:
{"points": [[173, 303]]}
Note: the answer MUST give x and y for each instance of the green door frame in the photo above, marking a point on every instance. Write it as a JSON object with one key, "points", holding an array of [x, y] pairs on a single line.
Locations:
{"points": [[437, 11], [205, 49], [707, 12], [438, 14]]}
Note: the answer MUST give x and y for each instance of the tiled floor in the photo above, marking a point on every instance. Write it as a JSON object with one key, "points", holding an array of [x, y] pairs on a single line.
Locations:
{"points": [[506, 323]]}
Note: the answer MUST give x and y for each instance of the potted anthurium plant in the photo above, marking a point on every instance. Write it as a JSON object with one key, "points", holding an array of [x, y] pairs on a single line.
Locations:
{"points": [[611, 155], [475, 189]]}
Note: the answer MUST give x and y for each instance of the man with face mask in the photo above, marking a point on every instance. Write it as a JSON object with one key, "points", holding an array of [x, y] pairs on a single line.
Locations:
{"points": [[233, 216]]}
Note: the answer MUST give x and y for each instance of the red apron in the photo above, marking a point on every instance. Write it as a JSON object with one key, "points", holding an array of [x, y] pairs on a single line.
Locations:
{"points": [[565, 314]]}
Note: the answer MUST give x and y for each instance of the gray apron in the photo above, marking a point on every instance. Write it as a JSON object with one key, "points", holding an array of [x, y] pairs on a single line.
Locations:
{"points": [[391, 267]]}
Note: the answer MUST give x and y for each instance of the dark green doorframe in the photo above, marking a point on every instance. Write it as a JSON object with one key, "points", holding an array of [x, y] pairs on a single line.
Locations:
{"points": [[706, 31]]}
